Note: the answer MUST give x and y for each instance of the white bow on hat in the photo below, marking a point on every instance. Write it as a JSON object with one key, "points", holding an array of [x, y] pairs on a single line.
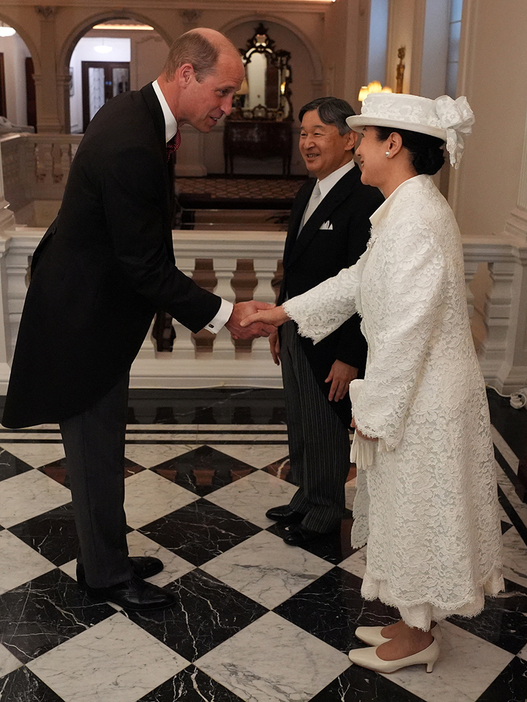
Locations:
{"points": [[456, 118]]}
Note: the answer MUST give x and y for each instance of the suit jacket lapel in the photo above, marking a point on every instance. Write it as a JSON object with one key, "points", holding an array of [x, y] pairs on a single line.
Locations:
{"points": [[332, 200]]}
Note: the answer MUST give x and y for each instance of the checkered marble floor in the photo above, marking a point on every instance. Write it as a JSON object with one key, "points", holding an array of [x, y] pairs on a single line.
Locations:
{"points": [[255, 619]]}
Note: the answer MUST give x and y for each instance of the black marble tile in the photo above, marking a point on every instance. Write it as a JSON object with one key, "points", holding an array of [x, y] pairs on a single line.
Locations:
{"points": [[191, 685], [334, 547], [52, 534], [45, 612], [510, 685], [11, 465], [331, 608], [503, 621], [23, 686], [200, 531], [207, 612], [281, 469], [58, 471], [359, 685], [203, 470]]}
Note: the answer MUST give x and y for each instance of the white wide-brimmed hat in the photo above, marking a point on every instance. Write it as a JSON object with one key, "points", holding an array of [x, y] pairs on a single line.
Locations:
{"points": [[443, 117]]}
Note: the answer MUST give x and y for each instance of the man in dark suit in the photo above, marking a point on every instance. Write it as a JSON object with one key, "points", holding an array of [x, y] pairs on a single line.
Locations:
{"points": [[328, 230], [101, 272]]}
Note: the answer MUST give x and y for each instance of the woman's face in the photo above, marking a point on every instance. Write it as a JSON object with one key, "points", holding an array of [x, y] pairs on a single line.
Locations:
{"points": [[371, 154]]}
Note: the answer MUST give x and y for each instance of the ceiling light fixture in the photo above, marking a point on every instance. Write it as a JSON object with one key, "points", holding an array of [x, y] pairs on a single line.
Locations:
{"points": [[6, 30]]}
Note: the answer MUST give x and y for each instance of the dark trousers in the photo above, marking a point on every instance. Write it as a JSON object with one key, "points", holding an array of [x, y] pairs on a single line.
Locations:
{"points": [[94, 445], [319, 444]]}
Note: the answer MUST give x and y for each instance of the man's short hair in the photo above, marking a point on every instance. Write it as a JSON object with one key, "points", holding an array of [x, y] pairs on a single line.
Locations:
{"points": [[331, 110], [193, 48]]}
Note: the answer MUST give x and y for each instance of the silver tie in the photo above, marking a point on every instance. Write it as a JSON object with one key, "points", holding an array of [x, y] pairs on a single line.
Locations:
{"points": [[312, 204]]}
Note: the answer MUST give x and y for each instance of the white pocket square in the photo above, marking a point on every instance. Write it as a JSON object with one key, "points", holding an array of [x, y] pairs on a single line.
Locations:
{"points": [[327, 225]]}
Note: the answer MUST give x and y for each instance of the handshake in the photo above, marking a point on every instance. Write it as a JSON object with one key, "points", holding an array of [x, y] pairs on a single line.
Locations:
{"points": [[252, 319]]}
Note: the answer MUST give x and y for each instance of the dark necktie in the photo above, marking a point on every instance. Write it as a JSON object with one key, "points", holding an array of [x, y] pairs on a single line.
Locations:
{"points": [[173, 144]]}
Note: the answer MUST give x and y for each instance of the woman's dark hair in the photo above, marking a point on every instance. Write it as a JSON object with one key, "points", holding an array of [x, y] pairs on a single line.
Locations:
{"points": [[426, 151]]}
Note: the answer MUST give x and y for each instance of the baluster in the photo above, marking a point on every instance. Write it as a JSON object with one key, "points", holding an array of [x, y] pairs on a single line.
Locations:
{"points": [[498, 307], [57, 171], [470, 271], [205, 277], [244, 282]]}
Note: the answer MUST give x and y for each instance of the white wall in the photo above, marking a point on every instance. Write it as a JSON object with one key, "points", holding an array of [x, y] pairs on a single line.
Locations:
{"points": [[15, 52], [85, 51]]}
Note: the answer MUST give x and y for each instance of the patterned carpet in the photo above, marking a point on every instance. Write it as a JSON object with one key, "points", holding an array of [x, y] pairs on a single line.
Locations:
{"points": [[245, 188]]}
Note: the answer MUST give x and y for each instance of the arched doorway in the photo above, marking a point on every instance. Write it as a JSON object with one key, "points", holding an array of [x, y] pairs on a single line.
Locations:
{"points": [[17, 86], [111, 57]]}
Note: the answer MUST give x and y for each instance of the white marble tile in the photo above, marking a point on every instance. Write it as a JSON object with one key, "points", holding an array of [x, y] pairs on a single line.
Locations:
{"points": [[174, 566], [514, 557], [505, 450], [148, 455], [19, 563], [28, 494], [258, 456], [267, 570], [114, 660], [35, 455], [251, 496], [273, 660], [8, 663], [148, 497], [466, 667], [356, 563]]}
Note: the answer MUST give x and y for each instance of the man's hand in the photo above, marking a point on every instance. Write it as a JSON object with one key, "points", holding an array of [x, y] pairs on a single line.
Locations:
{"points": [[274, 347], [340, 377], [242, 310]]}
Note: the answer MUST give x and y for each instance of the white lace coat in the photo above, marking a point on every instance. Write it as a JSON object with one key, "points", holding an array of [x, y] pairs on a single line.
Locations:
{"points": [[428, 505]]}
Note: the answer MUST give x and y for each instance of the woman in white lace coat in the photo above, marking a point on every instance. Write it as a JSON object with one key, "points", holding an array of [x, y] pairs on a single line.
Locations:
{"points": [[426, 500]]}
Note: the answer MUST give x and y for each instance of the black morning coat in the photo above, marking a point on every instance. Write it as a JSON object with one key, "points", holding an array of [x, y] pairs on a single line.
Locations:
{"points": [[103, 269], [317, 254]]}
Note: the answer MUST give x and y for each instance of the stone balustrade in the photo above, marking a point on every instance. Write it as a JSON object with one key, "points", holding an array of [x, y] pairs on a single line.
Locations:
{"points": [[237, 266]]}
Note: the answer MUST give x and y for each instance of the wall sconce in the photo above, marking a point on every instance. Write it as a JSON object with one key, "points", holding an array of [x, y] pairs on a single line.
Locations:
{"points": [[373, 87], [6, 30]]}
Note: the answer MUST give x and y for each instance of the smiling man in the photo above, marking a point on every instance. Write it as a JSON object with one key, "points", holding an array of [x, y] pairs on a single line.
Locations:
{"points": [[328, 230], [103, 269]]}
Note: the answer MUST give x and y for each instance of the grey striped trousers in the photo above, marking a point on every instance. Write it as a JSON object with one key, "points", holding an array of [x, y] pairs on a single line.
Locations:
{"points": [[319, 444]]}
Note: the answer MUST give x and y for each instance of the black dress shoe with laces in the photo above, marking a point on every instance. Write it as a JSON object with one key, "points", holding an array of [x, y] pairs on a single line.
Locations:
{"points": [[142, 566], [135, 595], [298, 535], [284, 514]]}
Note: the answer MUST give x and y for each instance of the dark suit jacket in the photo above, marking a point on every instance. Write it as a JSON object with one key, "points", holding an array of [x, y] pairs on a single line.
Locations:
{"points": [[317, 254], [103, 269]]}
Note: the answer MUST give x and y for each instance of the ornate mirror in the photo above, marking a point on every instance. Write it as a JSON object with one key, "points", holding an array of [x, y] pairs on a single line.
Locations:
{"points": [[265, 93]]}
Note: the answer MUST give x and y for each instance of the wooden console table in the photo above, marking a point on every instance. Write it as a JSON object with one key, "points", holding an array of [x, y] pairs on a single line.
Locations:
{"points": [[257, 139]]}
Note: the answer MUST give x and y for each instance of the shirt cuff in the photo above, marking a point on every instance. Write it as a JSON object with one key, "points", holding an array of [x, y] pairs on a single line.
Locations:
{"points": [[221, 318]]}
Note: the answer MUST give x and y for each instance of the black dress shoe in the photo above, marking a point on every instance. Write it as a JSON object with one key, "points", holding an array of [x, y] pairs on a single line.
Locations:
{"points": [[284, 514], [142, 566], [135, 595], [298, 535]]}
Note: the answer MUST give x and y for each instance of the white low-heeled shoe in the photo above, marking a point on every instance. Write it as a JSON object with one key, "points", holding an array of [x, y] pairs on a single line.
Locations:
{"points": [[368, 658], [372, 634]]}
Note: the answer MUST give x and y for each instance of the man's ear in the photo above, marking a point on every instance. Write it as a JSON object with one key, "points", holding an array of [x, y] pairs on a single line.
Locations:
{"points": [[351, 140], [185, 73]]}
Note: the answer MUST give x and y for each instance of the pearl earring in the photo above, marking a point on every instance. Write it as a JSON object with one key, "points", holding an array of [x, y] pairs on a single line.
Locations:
{"points": [[387, 154]]}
